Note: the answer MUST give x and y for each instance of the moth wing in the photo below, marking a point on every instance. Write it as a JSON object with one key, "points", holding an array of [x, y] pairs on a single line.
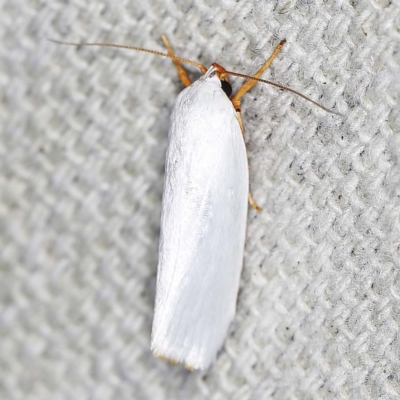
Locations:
{"points": [[203, 227]]}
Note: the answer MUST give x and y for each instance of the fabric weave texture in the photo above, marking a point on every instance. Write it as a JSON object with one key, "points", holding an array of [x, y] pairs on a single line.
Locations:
{"points": [[82, 151]]}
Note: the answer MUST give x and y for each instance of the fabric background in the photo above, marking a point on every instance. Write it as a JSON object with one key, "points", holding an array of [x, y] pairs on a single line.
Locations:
{"points": [[83, 140]]}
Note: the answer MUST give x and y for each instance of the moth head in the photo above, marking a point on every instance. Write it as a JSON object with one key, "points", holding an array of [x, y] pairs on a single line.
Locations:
{"points": [[220, 72]]}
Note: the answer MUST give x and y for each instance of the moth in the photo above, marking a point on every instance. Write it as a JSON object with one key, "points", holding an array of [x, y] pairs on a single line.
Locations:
{"points": [[204, 213]]}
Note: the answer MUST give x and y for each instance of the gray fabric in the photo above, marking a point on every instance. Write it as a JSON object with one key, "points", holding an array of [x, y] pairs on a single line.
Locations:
{"points": [[82, 150]]}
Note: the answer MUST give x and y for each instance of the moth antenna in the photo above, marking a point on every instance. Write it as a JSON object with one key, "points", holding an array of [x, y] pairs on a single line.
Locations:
{"points": [[284, 88], [202, 68]]}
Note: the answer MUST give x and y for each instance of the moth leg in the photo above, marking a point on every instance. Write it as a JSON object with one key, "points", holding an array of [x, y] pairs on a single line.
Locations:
{"points": [[254, 204], [244, 89], [249, 84], [240, 120], [183, 76]]}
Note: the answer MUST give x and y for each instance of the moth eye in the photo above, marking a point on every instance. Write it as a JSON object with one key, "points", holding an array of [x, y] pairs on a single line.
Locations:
{"points": [[226, 87]]}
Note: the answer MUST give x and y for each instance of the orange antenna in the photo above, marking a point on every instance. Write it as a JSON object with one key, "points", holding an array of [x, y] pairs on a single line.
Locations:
{"points": [[202, 68], [283, 88]]}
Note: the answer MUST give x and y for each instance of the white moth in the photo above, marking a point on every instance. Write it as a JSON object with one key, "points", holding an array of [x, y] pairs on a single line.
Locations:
{"points": [[203, 226], [204, 211]]}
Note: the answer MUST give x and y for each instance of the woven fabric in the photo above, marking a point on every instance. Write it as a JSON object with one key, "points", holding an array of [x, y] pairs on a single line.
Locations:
{"points": [[82, 151]]}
